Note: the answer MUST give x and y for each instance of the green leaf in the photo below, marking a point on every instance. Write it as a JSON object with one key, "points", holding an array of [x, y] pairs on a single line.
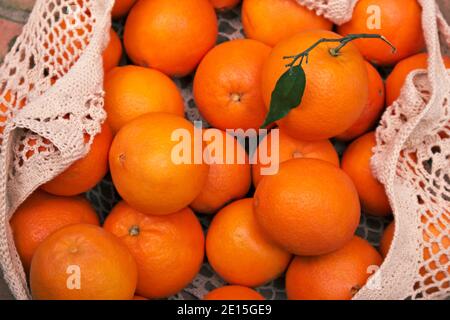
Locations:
{"points": [[287, 94]]}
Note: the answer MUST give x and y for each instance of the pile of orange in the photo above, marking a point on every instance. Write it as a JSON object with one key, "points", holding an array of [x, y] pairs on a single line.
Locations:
{"points": [[300, 220]]}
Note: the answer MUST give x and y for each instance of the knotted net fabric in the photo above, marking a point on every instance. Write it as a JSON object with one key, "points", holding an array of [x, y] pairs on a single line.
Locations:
{"points": [[412, 160], [51, 106]]}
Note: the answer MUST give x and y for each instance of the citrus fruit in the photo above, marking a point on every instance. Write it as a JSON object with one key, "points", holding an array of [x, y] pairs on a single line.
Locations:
{"points": [[271, 21], [170, 38], [86, 172], [398, 21], [227, 180], [334, 276], [239, 251], [435, 236], [132, 91], [233, 293], [310, 207], [145, 167], [373, 108], [139, 298], [67, 37], [113, 52], [386, 239], [42, 214], [336, 87], [121, 8], [356, 163], [224, 4], [291, 148], [396, 79], [9, 102], [227, 85], [168, 249], [82, 262]]}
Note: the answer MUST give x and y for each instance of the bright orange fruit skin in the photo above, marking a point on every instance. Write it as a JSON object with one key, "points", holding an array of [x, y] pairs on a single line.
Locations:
{"points": [[233, 293], [396, 79], [373, 109], [121, 8], [85, 173], [227, 85], [113, 52], [356, 163], [400, 23], [272, 21], [41, 215], [226, 181]]}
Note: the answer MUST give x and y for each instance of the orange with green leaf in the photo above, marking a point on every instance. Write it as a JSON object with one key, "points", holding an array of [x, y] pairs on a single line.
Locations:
{"points": [[320, 92]]}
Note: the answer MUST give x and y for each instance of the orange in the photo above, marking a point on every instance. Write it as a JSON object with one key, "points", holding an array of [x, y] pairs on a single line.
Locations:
{"points": [[170, 38], [310, 207], [132, 91], [121, 8], [113, 52], [224, 4], [139, 298], [86, 172], [386, 239], [82, 262], [334, 276], [168, 249], [145, 167], [373, 109], [336, 86], [435, 236], [239, 251], [271, 21], [226, 181], [291, 148], [42, 214], [227, 85], [356, 163], [34, 145], [395, 80], [233, 293], [398, 21], [431, 236]]}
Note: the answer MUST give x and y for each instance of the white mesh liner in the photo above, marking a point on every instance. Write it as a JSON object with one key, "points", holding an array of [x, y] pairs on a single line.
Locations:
{"points": [[42, 129]]}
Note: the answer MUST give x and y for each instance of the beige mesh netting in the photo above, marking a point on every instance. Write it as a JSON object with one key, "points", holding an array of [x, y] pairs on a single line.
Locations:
{"points": [[51, 101], [51, 106], [412, 160]]}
